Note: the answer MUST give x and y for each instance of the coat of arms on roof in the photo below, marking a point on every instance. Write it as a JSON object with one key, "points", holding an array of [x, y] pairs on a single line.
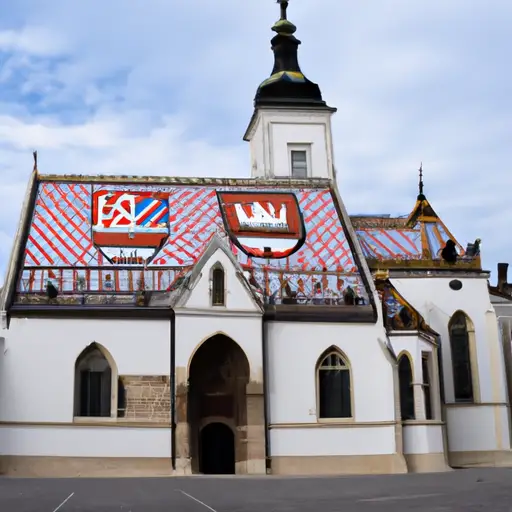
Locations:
{"points": [[263, 224], [129, 220]]}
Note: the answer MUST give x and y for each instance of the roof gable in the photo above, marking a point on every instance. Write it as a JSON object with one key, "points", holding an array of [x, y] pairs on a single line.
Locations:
{"points": [[195, 291], [433, 230], [16, 257]]}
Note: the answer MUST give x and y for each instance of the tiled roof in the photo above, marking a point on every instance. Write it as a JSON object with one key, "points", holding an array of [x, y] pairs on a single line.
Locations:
{"points": [[60, 237], [60, 234]]}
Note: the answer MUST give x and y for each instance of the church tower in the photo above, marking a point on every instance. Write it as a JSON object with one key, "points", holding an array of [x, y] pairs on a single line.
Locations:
{"points": [[290, 129]]}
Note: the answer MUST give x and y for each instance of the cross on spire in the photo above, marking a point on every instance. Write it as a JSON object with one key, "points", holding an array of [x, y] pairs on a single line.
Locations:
{"points": [[284, 6]]}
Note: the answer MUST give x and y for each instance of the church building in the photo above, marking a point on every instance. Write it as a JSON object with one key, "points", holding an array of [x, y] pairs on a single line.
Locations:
{"points": [[172, 326]]}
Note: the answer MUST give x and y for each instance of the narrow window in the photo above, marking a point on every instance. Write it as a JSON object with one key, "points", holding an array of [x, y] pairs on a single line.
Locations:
{"points": [[334, 387], [461, 359], [218, 295], [427, 388], [121, 398], [406, 388], [93, 384], [299, 164]]}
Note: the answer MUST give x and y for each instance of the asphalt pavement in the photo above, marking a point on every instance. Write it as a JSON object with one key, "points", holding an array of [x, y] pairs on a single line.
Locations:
{"points": [[461, 490]]}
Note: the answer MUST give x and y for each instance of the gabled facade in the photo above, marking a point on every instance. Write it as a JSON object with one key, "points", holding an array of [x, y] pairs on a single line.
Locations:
{"points": [[161, 325]]}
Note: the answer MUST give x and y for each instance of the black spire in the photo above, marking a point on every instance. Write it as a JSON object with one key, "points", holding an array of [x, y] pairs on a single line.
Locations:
{"points": [[287, 84], [421, 195]]}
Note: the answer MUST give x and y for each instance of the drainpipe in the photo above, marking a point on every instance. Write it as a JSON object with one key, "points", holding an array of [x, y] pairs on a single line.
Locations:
{"points": [[173, 389], [266, 399]]}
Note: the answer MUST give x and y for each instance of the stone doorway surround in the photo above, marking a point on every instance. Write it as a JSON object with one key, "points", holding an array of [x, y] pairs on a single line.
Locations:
{"points": [[218, 389]]}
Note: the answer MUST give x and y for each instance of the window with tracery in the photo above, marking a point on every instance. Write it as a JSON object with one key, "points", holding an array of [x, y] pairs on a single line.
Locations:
{"points": [[334, 387], [461, 358], [93, 384]]}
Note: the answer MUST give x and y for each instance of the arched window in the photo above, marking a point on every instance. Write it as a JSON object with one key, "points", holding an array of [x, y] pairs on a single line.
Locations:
{"points": [[93, 384], [218, 292], [334, 386], [461, 358], [406, 388]]}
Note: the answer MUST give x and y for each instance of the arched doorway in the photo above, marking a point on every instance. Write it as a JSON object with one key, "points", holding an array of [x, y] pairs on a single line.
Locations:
{"points": [[217, 394], [217, 450]]}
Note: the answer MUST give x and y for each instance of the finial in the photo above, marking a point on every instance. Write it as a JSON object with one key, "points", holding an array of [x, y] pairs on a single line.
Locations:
{"points": [[421, 196], [284, 6], [34, 154]]}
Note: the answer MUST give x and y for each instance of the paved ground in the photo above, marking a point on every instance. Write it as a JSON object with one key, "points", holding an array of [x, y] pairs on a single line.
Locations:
{"points": [[463, 490]]}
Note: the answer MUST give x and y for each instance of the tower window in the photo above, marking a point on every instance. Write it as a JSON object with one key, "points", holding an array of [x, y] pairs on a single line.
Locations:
{"points": [[299, 164]]}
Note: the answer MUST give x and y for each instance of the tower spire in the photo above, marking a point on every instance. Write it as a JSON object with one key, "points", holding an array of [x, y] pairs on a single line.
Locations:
{"points": [[421, 195], [287, 84]]}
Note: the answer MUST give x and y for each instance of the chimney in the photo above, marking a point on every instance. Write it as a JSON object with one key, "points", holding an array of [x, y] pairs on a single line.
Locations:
{"points": [[502, 276]]}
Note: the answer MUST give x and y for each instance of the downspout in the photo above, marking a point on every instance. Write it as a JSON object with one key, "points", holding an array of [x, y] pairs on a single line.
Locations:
{"points": [[173, 389], [266, 398]]}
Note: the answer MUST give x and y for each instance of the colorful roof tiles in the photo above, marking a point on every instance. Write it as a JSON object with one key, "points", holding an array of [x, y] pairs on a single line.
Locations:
{"points": [[147, 232], [422, 235], [61, 233]]}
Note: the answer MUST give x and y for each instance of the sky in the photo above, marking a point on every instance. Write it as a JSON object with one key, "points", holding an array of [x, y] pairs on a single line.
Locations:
{"points": [[166, 87]]}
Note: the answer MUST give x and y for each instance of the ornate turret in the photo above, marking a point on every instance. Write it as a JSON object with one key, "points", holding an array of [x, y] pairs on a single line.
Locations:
{"points": [[434, 232], [287, 84]]}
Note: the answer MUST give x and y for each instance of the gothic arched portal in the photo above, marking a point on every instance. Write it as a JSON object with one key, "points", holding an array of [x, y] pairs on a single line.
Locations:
{"points": [[217, 397]]}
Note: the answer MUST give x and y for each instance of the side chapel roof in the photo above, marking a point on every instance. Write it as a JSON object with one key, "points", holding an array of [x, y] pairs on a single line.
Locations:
{"points": [[399, 314], [421, 235]]}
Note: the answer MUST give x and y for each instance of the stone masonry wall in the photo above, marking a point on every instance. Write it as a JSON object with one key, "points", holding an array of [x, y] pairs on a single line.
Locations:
{"points": [[147, 398]]}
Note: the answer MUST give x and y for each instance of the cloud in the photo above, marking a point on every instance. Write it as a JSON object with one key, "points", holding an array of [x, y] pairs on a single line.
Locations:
{"points": [[166, 87]]}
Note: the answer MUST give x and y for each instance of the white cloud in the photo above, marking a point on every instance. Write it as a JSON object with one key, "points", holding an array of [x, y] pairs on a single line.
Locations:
{"points": [[32, 40], [166, 87]]}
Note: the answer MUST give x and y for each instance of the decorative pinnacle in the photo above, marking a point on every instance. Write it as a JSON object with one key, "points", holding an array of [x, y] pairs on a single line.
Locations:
{"points": [[284, 6], [420, 184]]}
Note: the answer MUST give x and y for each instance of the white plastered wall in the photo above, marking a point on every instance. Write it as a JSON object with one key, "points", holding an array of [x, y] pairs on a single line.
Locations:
{"points": [[293, 352], [37, 386], [421, 436], [486, 423], [274, 129]]}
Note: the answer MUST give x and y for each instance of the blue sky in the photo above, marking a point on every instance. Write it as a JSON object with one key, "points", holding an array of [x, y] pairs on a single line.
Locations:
{"points": [[166, 87]]}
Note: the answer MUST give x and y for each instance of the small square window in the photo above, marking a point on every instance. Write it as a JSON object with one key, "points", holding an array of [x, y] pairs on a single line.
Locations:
{"points": [[299, 164]]}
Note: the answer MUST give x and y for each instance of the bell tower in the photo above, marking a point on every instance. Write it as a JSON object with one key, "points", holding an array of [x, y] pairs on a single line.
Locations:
{"points": [[290, 130]]}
